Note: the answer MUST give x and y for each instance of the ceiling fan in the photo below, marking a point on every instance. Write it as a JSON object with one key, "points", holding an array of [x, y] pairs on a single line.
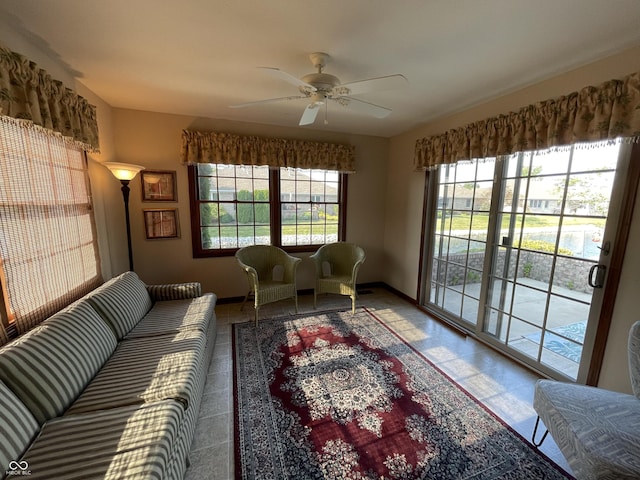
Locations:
{"points": [[321, 87]]}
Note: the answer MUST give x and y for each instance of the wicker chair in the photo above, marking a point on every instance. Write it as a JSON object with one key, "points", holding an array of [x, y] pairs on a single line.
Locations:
{"points": [[260, 263], [337, 266]]}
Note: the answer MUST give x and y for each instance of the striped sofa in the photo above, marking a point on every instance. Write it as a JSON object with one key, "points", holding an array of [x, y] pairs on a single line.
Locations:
{"points": [[109, 387]]}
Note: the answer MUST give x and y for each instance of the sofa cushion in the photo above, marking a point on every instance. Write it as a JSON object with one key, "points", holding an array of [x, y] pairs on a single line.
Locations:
{"points": [[19, 427], [146, 370], [597, 430], [176, 315], [49, 366], [174, 291], [121, 302], [134, 442]]}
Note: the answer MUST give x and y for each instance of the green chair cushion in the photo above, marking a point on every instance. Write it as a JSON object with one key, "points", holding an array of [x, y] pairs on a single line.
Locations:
{"points": [[121, 302], [49, 366]]}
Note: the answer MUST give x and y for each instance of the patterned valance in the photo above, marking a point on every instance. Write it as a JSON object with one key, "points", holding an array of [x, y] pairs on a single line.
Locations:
{"points": [[29, 93], [606, 112], [231, 149]]}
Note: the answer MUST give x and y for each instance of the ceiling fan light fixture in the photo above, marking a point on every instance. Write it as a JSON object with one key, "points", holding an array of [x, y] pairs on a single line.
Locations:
{"points": [[319, 88], [324, 82], [318, 99]]}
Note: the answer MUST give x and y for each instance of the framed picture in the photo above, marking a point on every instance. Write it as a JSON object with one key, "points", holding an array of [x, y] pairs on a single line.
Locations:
{"points": [[158, 186], [161, 223]]}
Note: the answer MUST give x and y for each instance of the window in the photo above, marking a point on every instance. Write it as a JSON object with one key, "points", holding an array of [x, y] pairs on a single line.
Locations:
{"points": [[522, 267], [48, 246], [311, 213], [235, 205]]}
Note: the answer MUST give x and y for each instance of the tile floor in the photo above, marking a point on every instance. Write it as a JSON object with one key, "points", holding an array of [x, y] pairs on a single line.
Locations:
{"points": [[502, 385]]}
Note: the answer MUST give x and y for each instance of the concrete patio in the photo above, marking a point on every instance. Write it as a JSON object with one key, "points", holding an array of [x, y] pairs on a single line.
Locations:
{"points": [[566, 308]]}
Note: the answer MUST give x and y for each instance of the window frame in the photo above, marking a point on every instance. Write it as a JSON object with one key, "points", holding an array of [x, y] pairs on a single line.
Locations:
{"points": [[275, 205], [626, 191]]}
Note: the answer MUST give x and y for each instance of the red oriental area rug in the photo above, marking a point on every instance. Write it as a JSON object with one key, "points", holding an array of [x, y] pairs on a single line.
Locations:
{"points": [[340, 396]]}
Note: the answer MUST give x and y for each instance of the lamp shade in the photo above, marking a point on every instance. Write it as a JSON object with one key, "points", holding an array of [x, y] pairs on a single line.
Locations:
{"points": [[123, 171]]}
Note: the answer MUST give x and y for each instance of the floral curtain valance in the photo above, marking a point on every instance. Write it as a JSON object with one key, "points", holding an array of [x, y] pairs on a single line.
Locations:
{"points": [[606, 112], [231, 149], [29, 93]]}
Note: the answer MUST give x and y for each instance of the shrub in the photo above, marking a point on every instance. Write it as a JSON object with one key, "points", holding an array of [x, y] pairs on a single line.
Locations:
{"points": [[542, 246], [246, 211]]}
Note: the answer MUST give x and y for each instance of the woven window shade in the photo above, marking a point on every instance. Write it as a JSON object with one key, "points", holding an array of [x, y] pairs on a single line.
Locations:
{"points": [[48, 246]]}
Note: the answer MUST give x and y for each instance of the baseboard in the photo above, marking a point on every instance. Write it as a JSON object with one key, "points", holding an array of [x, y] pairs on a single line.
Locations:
{"points": [[360, 287], [362, 290], [398, 293]]}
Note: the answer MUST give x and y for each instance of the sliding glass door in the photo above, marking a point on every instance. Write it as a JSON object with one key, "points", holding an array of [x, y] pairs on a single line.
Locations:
{"points": [[460, 238], [519, 250]]}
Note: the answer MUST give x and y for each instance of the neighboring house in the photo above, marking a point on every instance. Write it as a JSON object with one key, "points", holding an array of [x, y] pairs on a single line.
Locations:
{"points": [[542, 197], [226, 189]]}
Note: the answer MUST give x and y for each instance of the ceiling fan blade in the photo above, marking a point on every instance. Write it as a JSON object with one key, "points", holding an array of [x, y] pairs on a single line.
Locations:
{"points": [[372, 85], [287, 77], [364, 107], [310, 113], [269, 100]]}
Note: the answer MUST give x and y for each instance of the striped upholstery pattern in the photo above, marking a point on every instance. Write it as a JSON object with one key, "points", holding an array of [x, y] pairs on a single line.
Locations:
{"points": [[4, 338], [18, 427], [175, 315], [183, 446], [146, 370], [178, 463], [134, 442], [121, 302], [49, 366], [174, 291]]}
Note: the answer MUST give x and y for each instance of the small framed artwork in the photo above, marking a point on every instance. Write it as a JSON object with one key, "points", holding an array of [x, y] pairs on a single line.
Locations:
{"points": [[161, 223], [158, 186]]}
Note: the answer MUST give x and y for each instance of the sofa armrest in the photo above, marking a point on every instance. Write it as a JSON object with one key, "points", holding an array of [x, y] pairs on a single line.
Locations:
{"points": [[174, 291]]}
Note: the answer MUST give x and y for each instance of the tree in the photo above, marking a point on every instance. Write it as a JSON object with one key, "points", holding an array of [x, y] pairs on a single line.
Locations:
{"points": [[583, 192], [250, 213]]}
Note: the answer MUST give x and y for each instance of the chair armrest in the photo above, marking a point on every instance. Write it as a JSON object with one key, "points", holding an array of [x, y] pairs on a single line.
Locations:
{"points": [[252, 275], [290, 266], [317, 261], [356, 267], [174, 291]]}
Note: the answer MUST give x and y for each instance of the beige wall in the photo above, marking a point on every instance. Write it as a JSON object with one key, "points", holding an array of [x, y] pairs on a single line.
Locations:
{"points": [[384, 204], [406, 192], [153, 140]]}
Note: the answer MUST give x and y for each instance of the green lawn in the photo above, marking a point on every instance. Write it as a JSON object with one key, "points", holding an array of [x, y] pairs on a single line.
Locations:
{"points": [[480, 221], [264, 230]]}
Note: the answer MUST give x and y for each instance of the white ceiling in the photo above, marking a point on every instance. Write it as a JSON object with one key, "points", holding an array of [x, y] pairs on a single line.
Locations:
{"points": [[198, 57]]}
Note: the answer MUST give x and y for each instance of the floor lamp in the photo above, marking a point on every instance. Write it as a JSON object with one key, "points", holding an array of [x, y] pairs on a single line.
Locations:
{"points": [[125, 172]]}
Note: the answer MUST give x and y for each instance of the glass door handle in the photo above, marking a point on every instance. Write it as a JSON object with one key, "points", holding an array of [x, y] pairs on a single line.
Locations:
{"points": [[600, 271]]}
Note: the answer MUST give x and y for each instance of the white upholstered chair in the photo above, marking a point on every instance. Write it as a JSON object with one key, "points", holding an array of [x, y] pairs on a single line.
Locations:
{"points": [[271, 273], [597, 430], [337, 266]]}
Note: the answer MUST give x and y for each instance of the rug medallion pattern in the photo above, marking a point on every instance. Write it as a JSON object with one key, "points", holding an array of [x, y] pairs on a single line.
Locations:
{"points": [[340, 396]]}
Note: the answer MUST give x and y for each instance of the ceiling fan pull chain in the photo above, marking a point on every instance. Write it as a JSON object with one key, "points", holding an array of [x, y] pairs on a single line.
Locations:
{"points": [[326, 122]]}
